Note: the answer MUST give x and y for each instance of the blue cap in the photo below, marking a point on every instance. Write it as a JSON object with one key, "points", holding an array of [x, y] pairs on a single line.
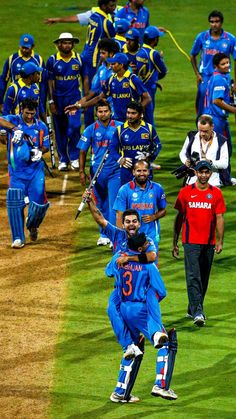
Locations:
{"points": [[118, 58], [30, 68], [26, 40], [121, 25], [203, 163], [152, 32], [132, 34]]}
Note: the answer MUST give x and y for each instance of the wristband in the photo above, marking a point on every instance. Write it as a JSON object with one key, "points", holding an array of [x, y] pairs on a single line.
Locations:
{"points": [[142, 257]]}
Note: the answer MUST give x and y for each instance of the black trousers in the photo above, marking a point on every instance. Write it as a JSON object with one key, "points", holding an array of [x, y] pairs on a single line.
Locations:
{"points": [[198, 260]]}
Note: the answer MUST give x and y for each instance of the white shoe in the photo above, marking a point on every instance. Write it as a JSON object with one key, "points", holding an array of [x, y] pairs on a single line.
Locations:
{"points": [[160, 339], [162, 392], [119, 398], [132, 351], [233, 180], [199, 320], [74, 164], [17, 244], [63, 167], [103, 241]]}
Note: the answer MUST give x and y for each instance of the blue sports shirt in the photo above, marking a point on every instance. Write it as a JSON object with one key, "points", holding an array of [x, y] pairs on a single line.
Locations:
{"points": [[98, 137], [146, 201], [218, 88], [208, 47], [122, 91], [150, 66], [99, 27], [134, 279], [16, 93], [19, 154], [138, 21]]}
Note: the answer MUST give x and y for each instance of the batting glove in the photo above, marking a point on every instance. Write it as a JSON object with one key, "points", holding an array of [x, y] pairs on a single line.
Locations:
{"points": [[36, 154], [17, 137], [142, 155]]}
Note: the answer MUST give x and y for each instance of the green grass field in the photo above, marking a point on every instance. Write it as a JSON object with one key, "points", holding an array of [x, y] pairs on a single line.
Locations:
{"points": [[87, 356]]}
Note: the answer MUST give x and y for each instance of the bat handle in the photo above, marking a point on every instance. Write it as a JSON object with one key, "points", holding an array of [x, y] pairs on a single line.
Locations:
{"points": [[80, 209]]}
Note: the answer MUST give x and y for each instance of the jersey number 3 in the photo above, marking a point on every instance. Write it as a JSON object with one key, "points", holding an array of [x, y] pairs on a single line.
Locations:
{"points": [[128, 282]]}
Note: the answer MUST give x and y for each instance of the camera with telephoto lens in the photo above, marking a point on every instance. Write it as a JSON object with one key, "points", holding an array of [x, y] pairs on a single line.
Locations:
{"points": [[185, 171]]}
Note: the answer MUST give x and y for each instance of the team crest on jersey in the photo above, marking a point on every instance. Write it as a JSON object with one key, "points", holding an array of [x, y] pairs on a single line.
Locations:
{"points": [[207, 43], [75, 67], [209, 196], [135, 195], [59, 67], [150, 195], [224, 45], [98, 134], [145, 136], [125, 85], [36, 91]]}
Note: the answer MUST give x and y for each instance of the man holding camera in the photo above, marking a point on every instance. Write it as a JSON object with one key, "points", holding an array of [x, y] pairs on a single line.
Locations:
{"points": [[200, 209], [207, 145]]}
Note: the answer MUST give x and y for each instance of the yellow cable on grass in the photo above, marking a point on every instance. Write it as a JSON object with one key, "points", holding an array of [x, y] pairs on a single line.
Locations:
{"points": [[177, 45]]}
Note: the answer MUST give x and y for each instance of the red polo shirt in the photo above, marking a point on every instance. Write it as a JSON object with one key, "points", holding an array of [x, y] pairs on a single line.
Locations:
{"points": [[200, 208]]}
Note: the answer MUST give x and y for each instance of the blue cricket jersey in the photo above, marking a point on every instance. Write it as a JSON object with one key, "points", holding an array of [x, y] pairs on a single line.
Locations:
{"points": [[130, 140], [150, 66], [138, 21], [120, 40], [119, 239], [218, 88], [134, 279], [146, 201], [122, 91], [12, 68], [98, 137], [19, 161], [99, 27], [208, 47], [66, 74], [16, 93]]}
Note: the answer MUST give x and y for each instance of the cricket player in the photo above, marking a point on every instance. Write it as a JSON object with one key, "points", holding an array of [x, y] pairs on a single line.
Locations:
{"points": [[65, 70], [14, 64], [208, 43], [217, 102], [133, 283], [25, 87], [135, 139], [98, 137], [27, 141], [123, 86], [135, 12], [150, 67], [147, 197]]}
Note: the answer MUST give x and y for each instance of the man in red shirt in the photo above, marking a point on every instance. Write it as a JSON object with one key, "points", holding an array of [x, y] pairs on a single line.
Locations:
{"points": [[200, 209]]}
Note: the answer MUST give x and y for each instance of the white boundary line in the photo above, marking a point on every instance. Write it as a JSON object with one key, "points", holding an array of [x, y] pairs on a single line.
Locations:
{"points": [[63, 190]]}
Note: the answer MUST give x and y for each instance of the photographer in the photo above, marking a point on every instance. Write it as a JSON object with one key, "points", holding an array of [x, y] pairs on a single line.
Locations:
{"points": [[207, 145]]}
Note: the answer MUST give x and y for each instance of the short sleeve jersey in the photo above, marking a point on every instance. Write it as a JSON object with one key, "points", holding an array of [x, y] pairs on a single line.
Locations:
{"points": [[217, 88], [200, 208], [146, 201], [208, 47]]}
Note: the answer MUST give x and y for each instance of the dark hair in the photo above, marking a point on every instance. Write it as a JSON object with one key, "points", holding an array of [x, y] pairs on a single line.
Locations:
{"points": [[130, 212], [136, 241], [102, 102], [104, 2], [216, 13], [108, 45], [218, 57], [137, 106], [205, 119], [29, 103]]}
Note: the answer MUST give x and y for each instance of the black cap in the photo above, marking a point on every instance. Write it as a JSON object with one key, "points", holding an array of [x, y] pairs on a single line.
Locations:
{"points": [[203, 163]]}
